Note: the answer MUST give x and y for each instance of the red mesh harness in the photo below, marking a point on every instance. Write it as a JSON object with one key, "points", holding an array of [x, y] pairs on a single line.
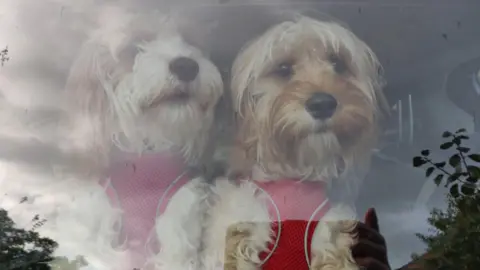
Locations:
{"points": [[142, 188], [299, 205]]}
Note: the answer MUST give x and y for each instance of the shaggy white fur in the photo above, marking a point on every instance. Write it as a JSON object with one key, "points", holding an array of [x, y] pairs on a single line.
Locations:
{"points": [[136, 87], [129, 62]]}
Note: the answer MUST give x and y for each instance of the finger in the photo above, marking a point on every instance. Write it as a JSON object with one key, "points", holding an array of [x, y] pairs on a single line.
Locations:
{"points": [[367, 233], [371, 219], [371, 264], [364, 249]]}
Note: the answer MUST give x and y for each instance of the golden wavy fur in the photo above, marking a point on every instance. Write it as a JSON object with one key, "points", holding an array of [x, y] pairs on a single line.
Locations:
{"points": [[280, 136], [275, 131]]}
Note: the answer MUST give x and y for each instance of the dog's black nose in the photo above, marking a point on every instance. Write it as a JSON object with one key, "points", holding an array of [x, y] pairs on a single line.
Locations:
{"points": [[321, 105], [186, 69]]}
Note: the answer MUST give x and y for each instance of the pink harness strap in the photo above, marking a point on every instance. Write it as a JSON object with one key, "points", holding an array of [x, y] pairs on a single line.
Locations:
{"points": [[295, 200], [142, 188]]}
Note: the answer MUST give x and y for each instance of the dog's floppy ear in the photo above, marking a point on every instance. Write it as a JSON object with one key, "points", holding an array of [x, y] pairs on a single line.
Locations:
{"points": [[243, 72], [243, 152], [88, 76], [92, 80], [107, 56]]}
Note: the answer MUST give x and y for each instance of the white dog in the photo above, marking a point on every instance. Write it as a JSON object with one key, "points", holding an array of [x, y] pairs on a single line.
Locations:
{"points": [[308, 98], [141, 92]]}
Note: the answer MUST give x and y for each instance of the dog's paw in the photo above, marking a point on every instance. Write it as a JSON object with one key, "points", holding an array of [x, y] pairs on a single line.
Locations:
{"points": [[240, 250], [333, 264], [333, 258], [331, 246]]}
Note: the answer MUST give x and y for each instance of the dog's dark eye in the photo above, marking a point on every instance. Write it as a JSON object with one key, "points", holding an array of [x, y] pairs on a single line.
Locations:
{"points": [[284, 70], [338, 64]]}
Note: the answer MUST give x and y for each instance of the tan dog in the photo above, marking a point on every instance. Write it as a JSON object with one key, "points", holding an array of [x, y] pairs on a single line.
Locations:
{"points": [[308, 98]]}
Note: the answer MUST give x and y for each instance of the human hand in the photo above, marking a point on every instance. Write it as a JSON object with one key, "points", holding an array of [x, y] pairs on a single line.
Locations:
{"points": [[370, 252]]}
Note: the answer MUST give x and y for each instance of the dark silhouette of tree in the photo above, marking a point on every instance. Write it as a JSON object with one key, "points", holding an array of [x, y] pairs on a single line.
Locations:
{"points": [[25, 249], [454, 241], [21, 249]]}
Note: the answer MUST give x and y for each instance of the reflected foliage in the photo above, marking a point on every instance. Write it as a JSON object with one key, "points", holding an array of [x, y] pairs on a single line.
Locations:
{"points": [[454, 240], [460, 173], [21, 249]]}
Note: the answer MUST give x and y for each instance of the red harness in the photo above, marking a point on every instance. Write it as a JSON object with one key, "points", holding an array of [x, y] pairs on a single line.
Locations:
{"points": [[142, 188], [299, 205]]}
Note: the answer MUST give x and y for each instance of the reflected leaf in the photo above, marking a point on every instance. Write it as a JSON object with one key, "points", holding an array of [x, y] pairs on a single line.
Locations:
{"points": [[472, 180], [446, 145], [440, 164], [474, 157], [418, 161], [454, 161], [454, 191], [468, 189], [438, 179], [429, 171], [474, 171], [425, 152]]}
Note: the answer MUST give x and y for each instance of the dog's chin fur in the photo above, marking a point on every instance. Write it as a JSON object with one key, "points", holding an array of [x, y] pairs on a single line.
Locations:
{"points": [[123, 98], [277, 138]]}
